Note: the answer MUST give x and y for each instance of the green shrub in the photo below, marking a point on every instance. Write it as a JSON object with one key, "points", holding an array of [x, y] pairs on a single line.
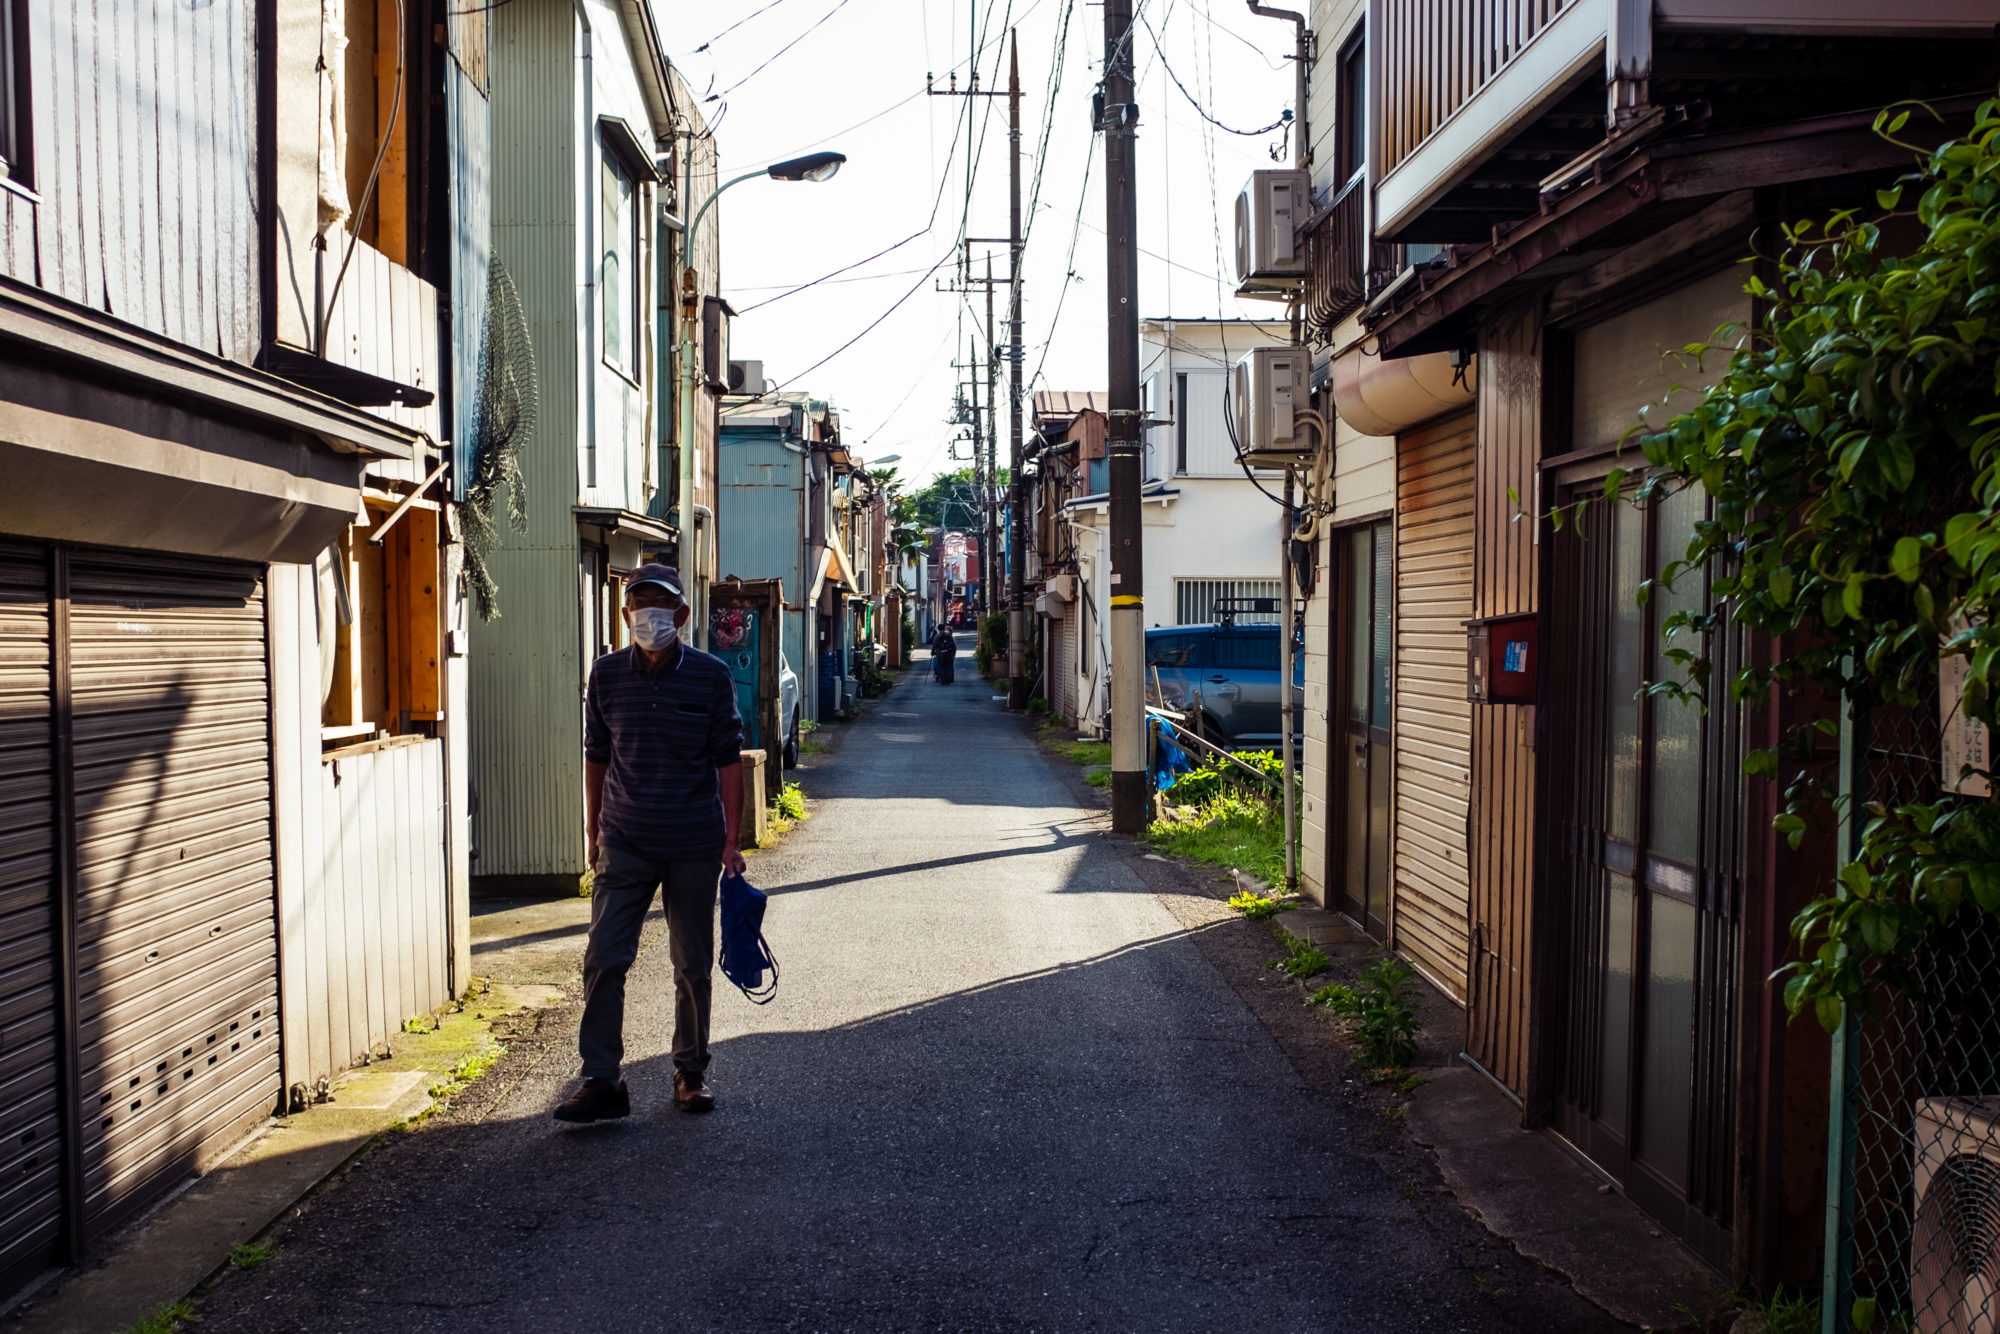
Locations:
{"points": [[1038, 706], [1378, 1006], [909, 638], [1230, 830], [791, 802], [1213, 778]]}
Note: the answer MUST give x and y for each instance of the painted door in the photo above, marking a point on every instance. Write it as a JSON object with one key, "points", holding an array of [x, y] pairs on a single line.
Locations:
{"points": [[1647, 796], [1364, 631]]}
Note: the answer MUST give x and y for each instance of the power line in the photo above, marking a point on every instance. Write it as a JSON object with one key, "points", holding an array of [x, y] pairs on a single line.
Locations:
{"points": [[1194, 102], [766, 62], [734, 26], [871, 326], [842, 269]]}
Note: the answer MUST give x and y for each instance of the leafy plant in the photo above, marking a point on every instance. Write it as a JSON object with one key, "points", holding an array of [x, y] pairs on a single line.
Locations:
{"points": [[1851, 457], [1098, 777], [791, 802], [1302, 957], [1214, 777], [1038, 706], [1381, 1015], [1260, 907]]}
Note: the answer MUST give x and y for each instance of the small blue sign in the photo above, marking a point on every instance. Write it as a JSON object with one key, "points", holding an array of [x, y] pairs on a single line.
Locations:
{"points": [[1517, 656]]}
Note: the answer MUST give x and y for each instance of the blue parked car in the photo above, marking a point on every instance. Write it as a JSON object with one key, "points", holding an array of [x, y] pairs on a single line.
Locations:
{"points": [[1225, 678]]}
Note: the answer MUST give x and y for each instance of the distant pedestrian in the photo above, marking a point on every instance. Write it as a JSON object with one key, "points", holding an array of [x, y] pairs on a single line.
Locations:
{"points": [[663, 801], [944, 649]]}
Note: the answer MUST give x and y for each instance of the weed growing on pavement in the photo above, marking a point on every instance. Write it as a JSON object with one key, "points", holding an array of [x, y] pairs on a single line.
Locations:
{"points": [[1302, 958], [165, 1320], [1229, 830], [812, 747], [791, 802], [467, 1070], [1380, 1013], [1098, 777], [1090, 754], [1259, 907], [250, 1254], [1782, 1312]]}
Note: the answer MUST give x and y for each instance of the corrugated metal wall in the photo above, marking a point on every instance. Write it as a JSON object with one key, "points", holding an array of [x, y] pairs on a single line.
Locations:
{"points": [[1433, 728], [17, 237], [365, 910], [30, 1120], [146, 162], [1499, 996], [527, 668]]}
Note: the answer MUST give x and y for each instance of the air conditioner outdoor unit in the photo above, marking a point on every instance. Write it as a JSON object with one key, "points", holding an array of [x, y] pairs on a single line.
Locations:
{"points": [[1955, 1243], [1061, 588], [746, 377], [1270, 389], [1271, 211]]}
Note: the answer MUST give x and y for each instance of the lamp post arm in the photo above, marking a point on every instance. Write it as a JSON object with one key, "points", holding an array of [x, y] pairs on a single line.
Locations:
{"points": [[694, 227]]}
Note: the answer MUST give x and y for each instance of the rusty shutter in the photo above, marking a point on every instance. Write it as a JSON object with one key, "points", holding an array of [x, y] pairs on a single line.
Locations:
{"points": [[176, 933], [1433, 737], [31, 1212]]}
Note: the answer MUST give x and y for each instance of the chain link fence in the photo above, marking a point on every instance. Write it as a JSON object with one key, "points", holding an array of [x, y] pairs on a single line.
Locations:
{"points": [[1916, 1233]]}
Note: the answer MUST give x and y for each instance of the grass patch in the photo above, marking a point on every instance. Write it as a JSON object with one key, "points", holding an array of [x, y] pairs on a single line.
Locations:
{"points": [[456, 1078], [1379, 1012], [1259, 907], [812, 747], [1230, 830], [1302, 958], [250, 1254], [165, 1320], [1098, 777], [1090, 754]]}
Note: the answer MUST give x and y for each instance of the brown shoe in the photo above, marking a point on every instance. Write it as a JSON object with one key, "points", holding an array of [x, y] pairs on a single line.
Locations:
{"points": [[691, 1092], [596, 1100]]}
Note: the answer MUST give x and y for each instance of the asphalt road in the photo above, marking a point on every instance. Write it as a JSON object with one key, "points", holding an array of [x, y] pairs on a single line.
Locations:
{"points": [[1001, 1088]]}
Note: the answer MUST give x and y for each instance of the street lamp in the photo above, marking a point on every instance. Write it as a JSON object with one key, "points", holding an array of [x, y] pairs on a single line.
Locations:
{"points": [[811, 167]]}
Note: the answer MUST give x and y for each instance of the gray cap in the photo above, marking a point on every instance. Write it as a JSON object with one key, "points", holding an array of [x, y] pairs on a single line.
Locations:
{"points": [[666, 576]]}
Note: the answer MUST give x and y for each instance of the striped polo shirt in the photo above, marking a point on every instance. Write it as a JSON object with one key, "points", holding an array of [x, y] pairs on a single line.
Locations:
{"points": [[662, 734]]}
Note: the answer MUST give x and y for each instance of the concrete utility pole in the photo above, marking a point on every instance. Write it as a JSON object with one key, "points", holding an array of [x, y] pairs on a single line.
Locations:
{"points": [[990, 502], [1119, 122], [979, 490], [1017, 547]]}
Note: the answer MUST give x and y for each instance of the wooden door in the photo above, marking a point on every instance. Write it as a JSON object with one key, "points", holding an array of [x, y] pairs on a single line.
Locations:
{"points": [[1646, 793], [1364, 631]]}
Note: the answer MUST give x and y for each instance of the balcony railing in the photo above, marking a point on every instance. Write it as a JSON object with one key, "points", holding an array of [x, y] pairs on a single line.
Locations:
{"points": [[1438, 54], [1344, 268]]}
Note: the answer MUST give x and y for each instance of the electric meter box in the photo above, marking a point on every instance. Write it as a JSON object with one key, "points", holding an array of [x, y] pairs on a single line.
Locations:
{"points": [[1271, 387], [1270, 213], [1502, 659]]}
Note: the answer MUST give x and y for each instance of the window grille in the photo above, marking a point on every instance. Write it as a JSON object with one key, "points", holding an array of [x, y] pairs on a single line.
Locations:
{"points": [[1194, 600]]}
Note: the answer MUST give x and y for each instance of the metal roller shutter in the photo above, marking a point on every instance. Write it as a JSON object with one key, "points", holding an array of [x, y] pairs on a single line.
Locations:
{"points": [[1433, 737], [31, 1177], [1062, 664], [176, 933]]}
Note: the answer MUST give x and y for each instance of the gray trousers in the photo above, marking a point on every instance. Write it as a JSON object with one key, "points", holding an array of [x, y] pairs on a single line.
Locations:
{"points": [[620, 895]]}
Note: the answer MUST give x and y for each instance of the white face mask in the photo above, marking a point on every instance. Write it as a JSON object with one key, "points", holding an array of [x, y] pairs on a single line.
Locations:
{"points": [[653, 628]]}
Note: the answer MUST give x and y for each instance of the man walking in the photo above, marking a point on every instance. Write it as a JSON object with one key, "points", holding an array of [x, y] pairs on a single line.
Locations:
{"points": [[663, 801]]}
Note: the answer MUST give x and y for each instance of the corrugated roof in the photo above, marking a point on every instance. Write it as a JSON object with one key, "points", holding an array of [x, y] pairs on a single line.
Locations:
{"points": [[1069, 402]]}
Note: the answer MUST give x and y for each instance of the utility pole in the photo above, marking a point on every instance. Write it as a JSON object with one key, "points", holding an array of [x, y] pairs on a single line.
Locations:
{"points": [[991, 499], [979, 489], [1017, 546], [1119, 121]]}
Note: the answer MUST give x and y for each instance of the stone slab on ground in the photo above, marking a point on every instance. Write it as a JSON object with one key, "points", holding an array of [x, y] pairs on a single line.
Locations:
{"points": [[1530, 1190]]}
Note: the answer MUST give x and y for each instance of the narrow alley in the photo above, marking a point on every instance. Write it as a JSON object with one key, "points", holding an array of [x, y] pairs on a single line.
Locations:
{"points": [[1001, 1087]]}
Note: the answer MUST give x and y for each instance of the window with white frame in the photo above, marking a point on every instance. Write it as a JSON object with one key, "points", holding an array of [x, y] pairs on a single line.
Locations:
{"points": [[619, 277]]}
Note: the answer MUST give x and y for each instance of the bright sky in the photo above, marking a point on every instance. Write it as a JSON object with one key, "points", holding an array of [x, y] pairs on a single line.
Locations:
{"points": [[799, 75]]}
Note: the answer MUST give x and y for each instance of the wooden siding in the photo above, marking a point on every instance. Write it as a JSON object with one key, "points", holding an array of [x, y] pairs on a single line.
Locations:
{"points": [[1432, 718], [1499, 997], [1438, 54], [146, 163]]}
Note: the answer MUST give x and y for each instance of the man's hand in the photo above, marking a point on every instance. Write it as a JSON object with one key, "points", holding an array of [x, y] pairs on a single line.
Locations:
{"points": [[592, 843], [732, 860]]}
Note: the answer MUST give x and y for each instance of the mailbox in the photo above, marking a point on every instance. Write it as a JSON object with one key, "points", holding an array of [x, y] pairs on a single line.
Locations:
{"points": [[1501, 659]]}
